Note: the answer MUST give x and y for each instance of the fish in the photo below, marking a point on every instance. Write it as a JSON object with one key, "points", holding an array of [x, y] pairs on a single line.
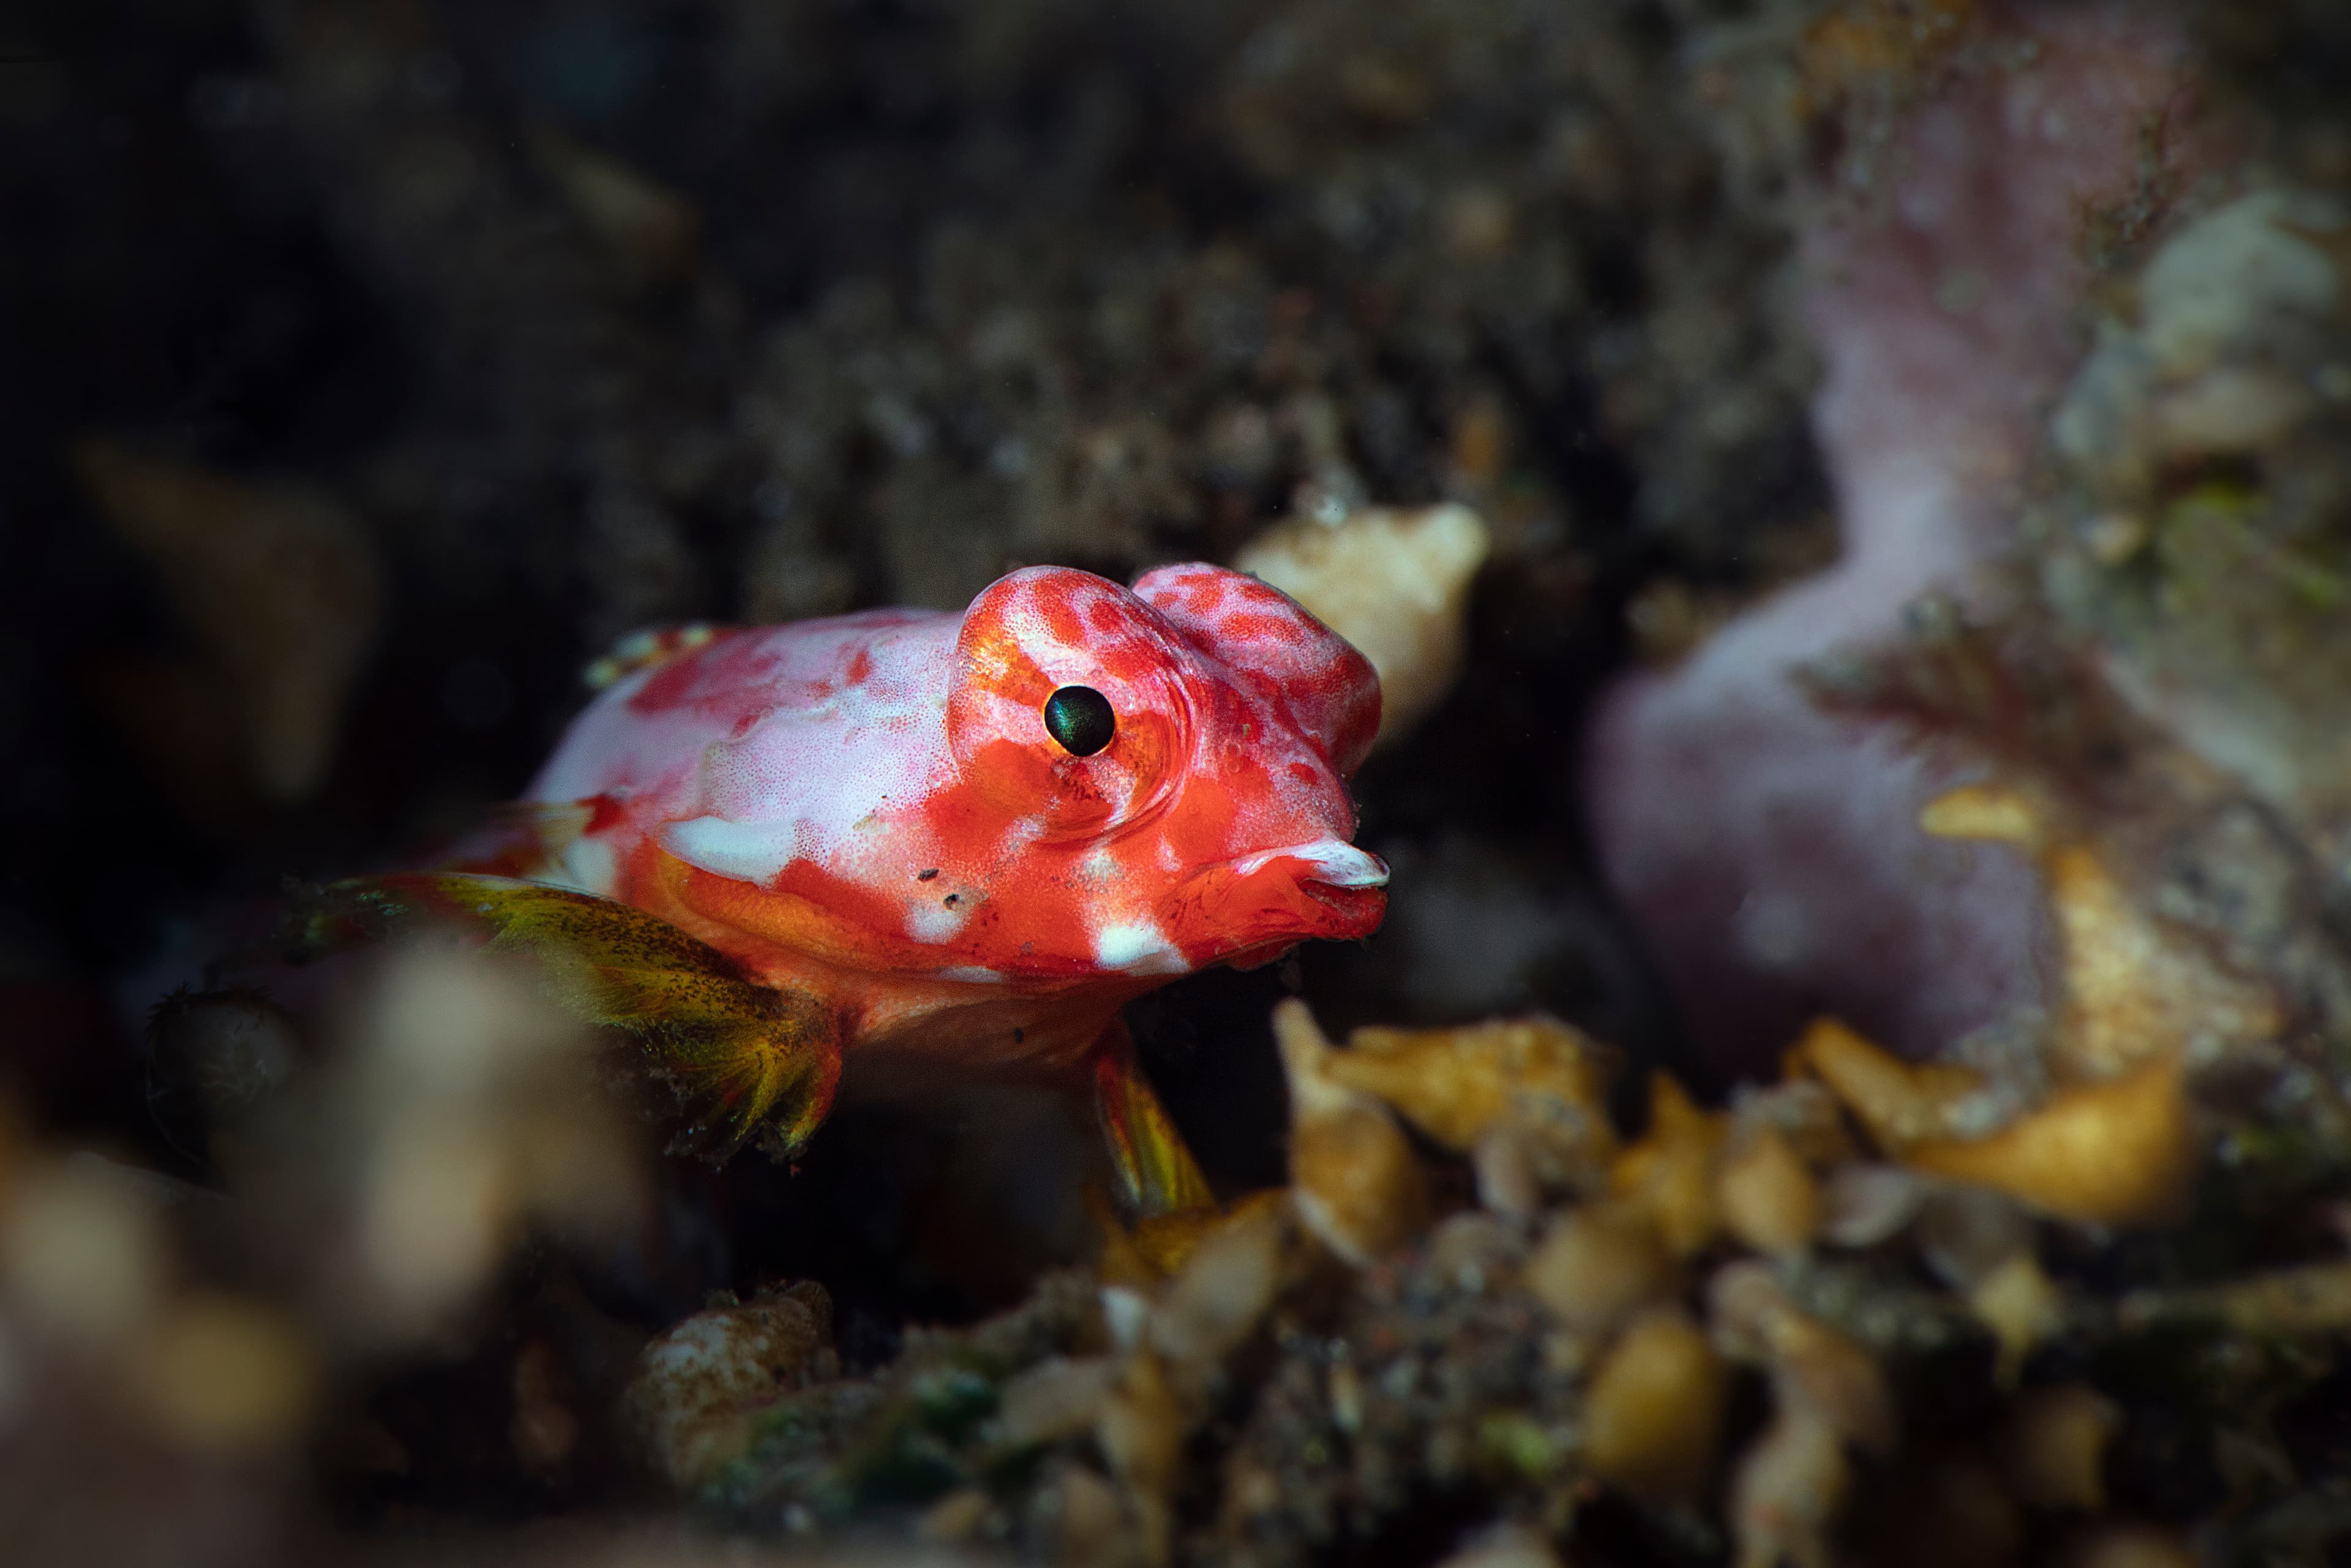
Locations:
{"points": [[960, 842]]}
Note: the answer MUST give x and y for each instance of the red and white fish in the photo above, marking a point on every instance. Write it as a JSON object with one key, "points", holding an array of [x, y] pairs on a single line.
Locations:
{"points": [[971, 838]]}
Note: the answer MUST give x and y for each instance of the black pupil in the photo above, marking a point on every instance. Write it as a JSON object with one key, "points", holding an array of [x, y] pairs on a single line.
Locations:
{"points": [[1080, 718]]}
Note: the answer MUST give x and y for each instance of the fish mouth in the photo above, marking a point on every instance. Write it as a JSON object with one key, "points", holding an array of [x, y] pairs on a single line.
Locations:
{"points": [[1324, 888], [1335, 862]]}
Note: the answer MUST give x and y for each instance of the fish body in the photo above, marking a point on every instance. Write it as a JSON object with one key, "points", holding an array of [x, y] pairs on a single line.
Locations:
{"points": [[876, 809]]}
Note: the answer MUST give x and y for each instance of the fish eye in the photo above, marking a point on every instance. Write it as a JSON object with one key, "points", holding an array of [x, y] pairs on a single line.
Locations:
{"points": [[1079, 720]]}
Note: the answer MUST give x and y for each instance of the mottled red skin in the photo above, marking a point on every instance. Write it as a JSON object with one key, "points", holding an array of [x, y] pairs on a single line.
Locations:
{"points": [[869, 808]]}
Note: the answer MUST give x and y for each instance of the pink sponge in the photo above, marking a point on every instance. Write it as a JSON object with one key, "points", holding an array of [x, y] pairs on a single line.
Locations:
{"points": [[1770, 851]]}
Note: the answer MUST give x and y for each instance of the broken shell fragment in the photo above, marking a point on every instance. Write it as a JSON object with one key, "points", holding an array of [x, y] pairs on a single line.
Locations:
{"points": [[1083, 1517], [1053, 1399], [1965, 1233], [1504, 1169], [1223, 1292], [1357, 1183], [1826, 1390], [1653, 1419]]}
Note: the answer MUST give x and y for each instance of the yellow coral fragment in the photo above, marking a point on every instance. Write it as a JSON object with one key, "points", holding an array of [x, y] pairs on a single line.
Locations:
{"points": [[1357, 1183], [1767, 1195], [2022, 1307], [1670, 1172], [2122, 1151], [1897, 1102], [1598, 1264], [1535, 1077], [1158, 1247], [2135, 985], [1653, 1419], [1982, 812]]}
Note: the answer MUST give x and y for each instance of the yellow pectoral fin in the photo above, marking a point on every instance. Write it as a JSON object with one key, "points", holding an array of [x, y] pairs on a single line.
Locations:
{"points": [[1156, 1174], [746, 1063]]}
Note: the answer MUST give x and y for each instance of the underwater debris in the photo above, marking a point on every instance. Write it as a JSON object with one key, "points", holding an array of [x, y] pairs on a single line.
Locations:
{"points": [[2194, 532], [1653, 1416], [1356, 1183], [2023, 1310], [211, 1058], [2135, 985], [1769, 1199], [699, 1386], [1597, 1264], [1672, 1172], [2121, 1151], [1532, 1084], [1789, 1488]]}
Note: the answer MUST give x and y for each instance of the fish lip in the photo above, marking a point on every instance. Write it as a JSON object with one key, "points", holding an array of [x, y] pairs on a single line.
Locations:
{"points": [[1271, 899], [1336, 862]]}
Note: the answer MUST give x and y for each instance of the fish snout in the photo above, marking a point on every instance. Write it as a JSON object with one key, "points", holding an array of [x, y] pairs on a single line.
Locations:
{"points": [[1334, 862], [1268, 899]]}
